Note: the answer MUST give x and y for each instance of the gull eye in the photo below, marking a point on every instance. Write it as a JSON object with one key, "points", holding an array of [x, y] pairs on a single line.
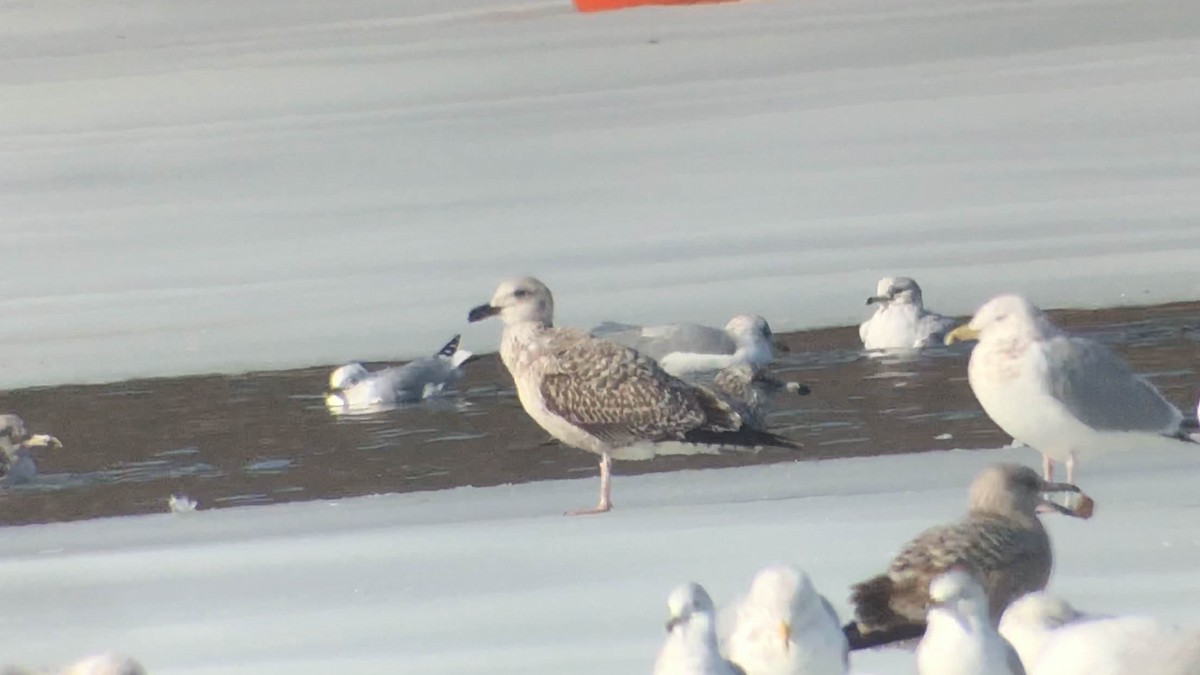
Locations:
{"points": [[520, 293]]}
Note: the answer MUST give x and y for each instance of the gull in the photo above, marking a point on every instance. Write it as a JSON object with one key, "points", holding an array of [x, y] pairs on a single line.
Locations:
{"points": [[960, 638], [691, 644], [1058, 394], [1122, 645], [748, 388], [1000, 539], [354, 389], [900, 320], [685, 348], [16, 445], [1031, 620], [599, 396], [784, 627]]}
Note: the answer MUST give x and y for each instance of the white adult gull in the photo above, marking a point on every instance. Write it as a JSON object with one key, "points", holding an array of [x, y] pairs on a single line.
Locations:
{"points": [[960, 638], [900, 321], [352, 388], [16, 450], [785, 627], [691, 644], [685, 348], [599, 396], [1031, 621], [1000, 539], [1063, 396]]}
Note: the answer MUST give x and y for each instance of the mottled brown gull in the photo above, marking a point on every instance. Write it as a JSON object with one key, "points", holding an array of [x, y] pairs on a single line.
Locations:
{"points": [[1063, 396], [748, 390], [16, 445], [599, 396], [1000, 539]]}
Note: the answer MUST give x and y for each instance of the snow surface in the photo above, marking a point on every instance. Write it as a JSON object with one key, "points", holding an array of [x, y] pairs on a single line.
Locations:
{"points": [[495, 580], [198, 186]]}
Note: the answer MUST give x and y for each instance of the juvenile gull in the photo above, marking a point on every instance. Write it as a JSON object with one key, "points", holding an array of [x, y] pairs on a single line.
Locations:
{"points": [[784, 627], [691, 644], [354, 389], [1031, 620], [900, 320], [960, 638], [683, 348], [748, 390], [1000, 539], [1061, 395], [16, 445], [105, 664], [599, 396]]}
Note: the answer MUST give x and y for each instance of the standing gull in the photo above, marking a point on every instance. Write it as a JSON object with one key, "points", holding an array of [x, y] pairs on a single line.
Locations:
{"points": [[784, 627], [691, 644], [900, 320], [960, 638], [16, 445], [598, 396], [684, 348], [1000, 538], [1058, 394], [354, 389]]}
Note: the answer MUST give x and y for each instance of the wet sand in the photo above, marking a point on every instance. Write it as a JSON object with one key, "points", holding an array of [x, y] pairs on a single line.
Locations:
{"points": [[267, 437]]}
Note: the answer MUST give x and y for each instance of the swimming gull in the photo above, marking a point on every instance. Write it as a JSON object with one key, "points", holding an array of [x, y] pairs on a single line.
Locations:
{"points": [[599, 396], [960, 638], [354, 389], [784, 627], [1030, 622], [691, 644], [748, 389], [1000, 539], [900, 320], [1058, 394], [684, 348], [16, 445]]}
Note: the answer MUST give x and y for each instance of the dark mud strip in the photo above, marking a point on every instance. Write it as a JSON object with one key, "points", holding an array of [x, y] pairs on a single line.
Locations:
{"points": [[266, 437]]}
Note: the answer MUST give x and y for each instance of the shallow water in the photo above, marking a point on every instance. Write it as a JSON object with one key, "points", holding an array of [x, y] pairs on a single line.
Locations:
{"points": [[266, 437]]}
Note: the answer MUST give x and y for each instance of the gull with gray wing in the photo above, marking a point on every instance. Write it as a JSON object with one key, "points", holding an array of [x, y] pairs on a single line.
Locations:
{"points": [[900, 321], [1063, 396], [685, 348]]}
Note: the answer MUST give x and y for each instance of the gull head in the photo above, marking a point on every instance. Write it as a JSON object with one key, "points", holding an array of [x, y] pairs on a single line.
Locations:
{"points": [[519, 300], [347, 376], [958, 592], [1040, 610], [752, 335], [782, 593], [1015, 490], [898, 290], [1003, 318], [686, 601], [12, 430]]}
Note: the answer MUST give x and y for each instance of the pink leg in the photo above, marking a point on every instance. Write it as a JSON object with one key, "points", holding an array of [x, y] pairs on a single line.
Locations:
{"points": [[605, 489], [1071, 468], [1047, 468]]}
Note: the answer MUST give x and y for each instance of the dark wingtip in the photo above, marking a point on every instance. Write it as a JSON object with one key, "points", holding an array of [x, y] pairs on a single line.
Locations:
{"points": [[742, 438], [877, 638], [450, 347]]}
